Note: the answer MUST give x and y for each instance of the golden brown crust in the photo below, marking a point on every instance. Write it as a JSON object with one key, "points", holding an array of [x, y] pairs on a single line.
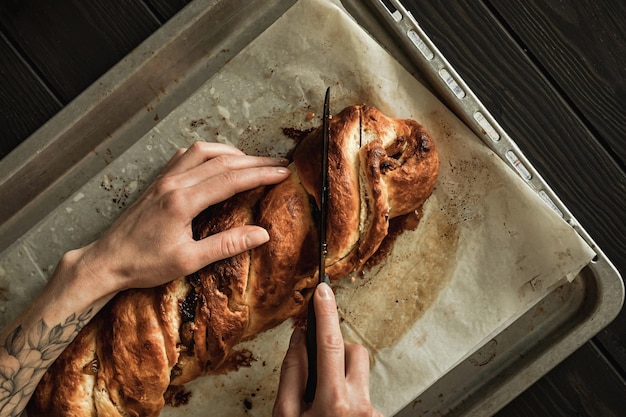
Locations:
{"points": [[146, 340], [221, 313], [67, 388], [411, 184], [168, 299], [284, 266], [379, 168], [134, 365], [343, 179]]}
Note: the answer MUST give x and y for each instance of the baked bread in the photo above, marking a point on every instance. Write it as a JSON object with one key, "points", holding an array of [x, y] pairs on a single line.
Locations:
{"points": [[147, 340]]}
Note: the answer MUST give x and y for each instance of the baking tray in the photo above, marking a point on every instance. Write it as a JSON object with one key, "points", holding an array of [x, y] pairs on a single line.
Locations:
{"points": [[144, 87]]}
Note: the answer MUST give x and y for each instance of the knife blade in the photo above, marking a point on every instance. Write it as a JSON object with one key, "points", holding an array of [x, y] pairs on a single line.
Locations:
{"points": [[311, 326], [323, 243]]}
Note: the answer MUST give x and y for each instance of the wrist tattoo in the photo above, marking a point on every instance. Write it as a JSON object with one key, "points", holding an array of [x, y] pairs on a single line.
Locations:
{"points": [[26, 354]]}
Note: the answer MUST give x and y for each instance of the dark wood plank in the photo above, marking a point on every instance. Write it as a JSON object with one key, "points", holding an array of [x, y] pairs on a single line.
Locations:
{"points": [[613, 340], [560, 145], [72, 42], [581, 46], [583, 385], [25, 102], [165, 9]]}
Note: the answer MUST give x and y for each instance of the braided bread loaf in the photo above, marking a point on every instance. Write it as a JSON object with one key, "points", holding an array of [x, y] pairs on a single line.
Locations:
{"points": [[147, 340]]}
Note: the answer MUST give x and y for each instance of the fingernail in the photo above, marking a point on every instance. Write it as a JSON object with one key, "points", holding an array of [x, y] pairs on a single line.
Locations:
{"points": [[256, 237], [325, 292], [282, 170], [282, 161]]}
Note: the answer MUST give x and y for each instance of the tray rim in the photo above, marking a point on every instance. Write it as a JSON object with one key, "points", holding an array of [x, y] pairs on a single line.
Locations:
{"points": [[156, 95], [609, 283], [610, 286]]}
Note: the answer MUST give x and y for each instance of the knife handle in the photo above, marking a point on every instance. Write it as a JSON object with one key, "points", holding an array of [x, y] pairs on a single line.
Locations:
{"points": [[311, 351]]}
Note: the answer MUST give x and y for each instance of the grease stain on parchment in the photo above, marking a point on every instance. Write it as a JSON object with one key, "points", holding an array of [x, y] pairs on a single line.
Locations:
{"points": [[383, 304], [386, 301]]}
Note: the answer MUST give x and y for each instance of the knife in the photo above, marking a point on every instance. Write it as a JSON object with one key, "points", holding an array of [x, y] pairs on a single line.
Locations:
{"points": [[311, 324]]}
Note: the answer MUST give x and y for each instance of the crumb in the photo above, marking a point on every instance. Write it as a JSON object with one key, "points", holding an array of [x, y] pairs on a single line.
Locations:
{"points": [[175, 396], [248, 404]]}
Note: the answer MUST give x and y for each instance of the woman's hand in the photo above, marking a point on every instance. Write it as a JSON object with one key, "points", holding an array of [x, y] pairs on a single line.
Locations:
{"points": [[152, 242], [342, 369]]}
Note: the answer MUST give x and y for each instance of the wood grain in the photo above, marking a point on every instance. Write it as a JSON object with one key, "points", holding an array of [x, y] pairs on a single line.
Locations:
{"points": [[583, 385], [543, 79], [25, 101], [72, 42], [558, 143], [567, 152], [580, 44], [165, 9]]}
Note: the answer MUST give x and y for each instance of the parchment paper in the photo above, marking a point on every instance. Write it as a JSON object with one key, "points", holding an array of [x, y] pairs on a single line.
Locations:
{"points": [[485, 249]]}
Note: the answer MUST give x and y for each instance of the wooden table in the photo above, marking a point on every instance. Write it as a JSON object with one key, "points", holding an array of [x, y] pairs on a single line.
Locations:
{"points": [[553, 73]]}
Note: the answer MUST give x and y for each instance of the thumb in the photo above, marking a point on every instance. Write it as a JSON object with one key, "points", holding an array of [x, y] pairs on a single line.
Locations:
{"points": [[292, 378]]}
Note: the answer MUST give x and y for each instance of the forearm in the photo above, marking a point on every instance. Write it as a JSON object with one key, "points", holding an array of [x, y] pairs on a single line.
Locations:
{"points": [[30, 344], [150, 244]]}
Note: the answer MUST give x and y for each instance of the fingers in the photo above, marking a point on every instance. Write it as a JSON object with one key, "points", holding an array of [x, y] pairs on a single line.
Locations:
{"points": [[197, 154], [343, 370], [173, 160], [224, 156], [195, 198], [357, 371], [223, 245], [331, 383], [330, 345], [221, 165], [208, 173], [292, 378]]}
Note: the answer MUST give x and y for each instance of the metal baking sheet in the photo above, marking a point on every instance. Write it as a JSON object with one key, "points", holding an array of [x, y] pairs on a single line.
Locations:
{"points": [[553, 329], [149, 83]]}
